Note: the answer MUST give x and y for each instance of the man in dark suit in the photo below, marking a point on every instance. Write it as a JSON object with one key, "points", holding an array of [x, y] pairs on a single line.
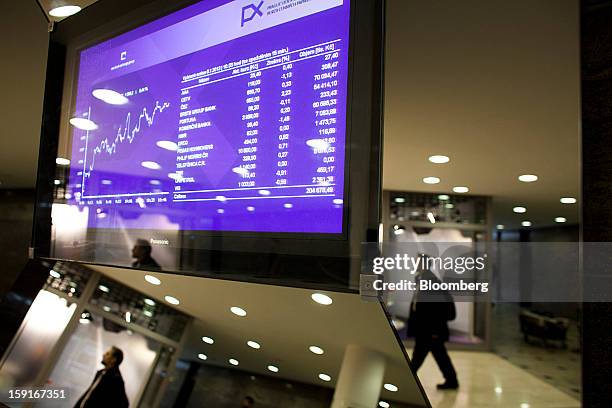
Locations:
{"points": [[429, 313], [142, 253], [107, 388]]}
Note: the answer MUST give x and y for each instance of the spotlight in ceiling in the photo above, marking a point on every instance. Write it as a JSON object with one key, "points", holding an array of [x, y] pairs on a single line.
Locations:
{"points": [[316, 350], [400, 200], [324, 377], [568, 200], [322, 299], [152, 280], [499, 390], [64, 11], [391, 387], [431, 180], [500, 227], [519, 210], [233, 361], [461, 189], [55, 274], [383, 404], [253, 344], [238, 311], [560, 220], [207, 340], [172, 300], [528, 178], [431, 217], [272, 368], [103, 288], [439, 159], [526, 223], [443, 197], [202, 356], [149, 302], [449, 206]]}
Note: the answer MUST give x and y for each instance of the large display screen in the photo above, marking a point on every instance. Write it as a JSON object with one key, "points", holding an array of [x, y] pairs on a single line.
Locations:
{"points": [[223, 116]]}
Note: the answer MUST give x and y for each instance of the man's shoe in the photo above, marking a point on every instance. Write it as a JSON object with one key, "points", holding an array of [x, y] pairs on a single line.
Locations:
{"points": [[448, 385]]}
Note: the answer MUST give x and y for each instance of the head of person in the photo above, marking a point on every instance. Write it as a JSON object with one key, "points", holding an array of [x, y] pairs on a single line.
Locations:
{"points": [[142, 249], [248, 402], [112, 357]]}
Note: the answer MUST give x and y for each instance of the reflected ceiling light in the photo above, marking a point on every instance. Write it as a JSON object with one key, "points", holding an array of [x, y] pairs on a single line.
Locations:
{"points": [[253, 344], [155, 182], [238, 311], [264, 192], [324, 377], [288, 205], [151, 165], [560, 220], [55, 274], [233, 361], [149, 302], [443, 197], [568, 200], [172, 300], [431, 180], [240, 170], [449, 206], [168, 145], [400, 200], [500, 227], [62, 161], [207, 340], [322, 299], [528, 178], [106, 308], [57, 182], [519, 210], [383, 404], [152, 280], [64, 11], [109, 96], [83, 124], [148, 313], [431, 217], [107, 182], [338, 201], [390, 387], [272, 368], [103, 288], [221, 198], [461, 189], [318, 144], [439, 159], [220, 211], [202, 356], [316, 350], [175, 176], [526, 223], [128, 317], [250, 209]]}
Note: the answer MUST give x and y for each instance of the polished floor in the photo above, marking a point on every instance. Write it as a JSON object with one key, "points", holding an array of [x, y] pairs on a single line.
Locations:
{"points": [[488, 381]]}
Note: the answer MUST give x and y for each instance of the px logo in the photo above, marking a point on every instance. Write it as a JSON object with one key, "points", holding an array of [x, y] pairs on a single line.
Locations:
{"points": [[250, 12]]}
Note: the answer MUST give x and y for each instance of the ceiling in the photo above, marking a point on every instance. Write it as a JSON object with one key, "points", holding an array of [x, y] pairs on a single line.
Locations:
{"points": [[494, 84], [48, 5], [285, 321]]}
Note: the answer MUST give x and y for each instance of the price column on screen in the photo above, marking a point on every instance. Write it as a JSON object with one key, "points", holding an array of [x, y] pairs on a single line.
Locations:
{"points": [[284, 125], [248, 152]]}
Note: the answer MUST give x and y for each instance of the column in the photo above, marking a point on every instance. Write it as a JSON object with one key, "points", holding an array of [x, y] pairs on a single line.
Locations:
{"points": [[361, 378]]}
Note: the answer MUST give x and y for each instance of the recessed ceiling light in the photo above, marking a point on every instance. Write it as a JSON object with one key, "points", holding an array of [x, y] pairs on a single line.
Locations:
{"points": [[128, 317], [519, 210], [152, 280], [62, 161], [202, 356], [431, 180], [443, 197], [172, 300], [568, 200], [151, 165], [431, 217], [390, 387], [525, 405], [526, 223], [106, 308], [233, 361], [83, 124], [272, 368], [148, 313], [324, 377], [322, 299], [57, 182], [461, 189], [55, 274], [383, 404], [207, 340], [439, 159], [167, 145], [498, 390], [149, 302], [400, 200], [528, 178], [238, 311], [450, 206], [560, 220], [316, 350], [64, 11], [103, 288], [253, 344], [500, 227], [109, 96]]}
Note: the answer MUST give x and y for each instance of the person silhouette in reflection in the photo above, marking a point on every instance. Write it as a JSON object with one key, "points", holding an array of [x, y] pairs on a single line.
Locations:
{"points": [[430, 312], [247, 402], [107, 388], [142, 253]]}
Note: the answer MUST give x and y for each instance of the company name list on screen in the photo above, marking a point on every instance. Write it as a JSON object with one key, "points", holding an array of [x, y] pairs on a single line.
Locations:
{"points": [[223, 116]]}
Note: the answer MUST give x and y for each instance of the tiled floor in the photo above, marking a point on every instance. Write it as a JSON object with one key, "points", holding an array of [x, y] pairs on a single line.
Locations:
{"points": [[488, 381]]}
